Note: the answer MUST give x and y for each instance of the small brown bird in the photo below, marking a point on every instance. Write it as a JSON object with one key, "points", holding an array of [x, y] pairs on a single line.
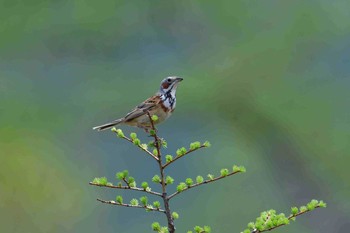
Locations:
{"points": [[161, 104]]}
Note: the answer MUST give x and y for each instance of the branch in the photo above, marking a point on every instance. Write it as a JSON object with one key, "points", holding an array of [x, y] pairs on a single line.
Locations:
{"points": [[138, 145], [170, 219], [177, 157], [204, 182], [127, 187], [129, 205], [283, 224]]}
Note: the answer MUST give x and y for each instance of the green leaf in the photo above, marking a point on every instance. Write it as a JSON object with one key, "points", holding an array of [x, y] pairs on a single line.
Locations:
{"points": [[206, 144], [169, 180], [181, 151], [133, 136], [137, 142], [182, 186], [164, 143], [242, 169], [168, 158], [195, 145], [131, 179], [199, 179], [103, 181], [152, 132], [224, 172], [156, 204], [119, 199], [144, 146], [294, 210], [120, 175], [198, 229], [96, 180], [322, 204], [155, 152], [156, 226], [210, 176], [175, 215], [156, 179], [144, 200], [154, 118], [144, 185], [251, 226], [126, 173], [236, 168], [207, 229], [119, 132], [134, 202], [132, 184], [151, 144], [189, 181]]}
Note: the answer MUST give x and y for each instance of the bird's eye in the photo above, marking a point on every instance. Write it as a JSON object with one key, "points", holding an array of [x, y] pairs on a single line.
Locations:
{"points": [[169, 80]]}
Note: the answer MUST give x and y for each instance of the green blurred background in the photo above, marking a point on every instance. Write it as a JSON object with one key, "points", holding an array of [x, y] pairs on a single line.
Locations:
{"points": [[266, 82]]}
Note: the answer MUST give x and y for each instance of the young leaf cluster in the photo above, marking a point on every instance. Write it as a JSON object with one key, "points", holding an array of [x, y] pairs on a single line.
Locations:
{"points": [[269, 220], [124, 176], [158, 228], [198, 229]]}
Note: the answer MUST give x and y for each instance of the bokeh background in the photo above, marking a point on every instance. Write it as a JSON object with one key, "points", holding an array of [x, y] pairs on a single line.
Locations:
{"points": [[266, 82]]}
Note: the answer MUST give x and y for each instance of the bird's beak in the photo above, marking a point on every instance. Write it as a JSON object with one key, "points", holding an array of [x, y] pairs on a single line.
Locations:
{"points": [[178, 79]]}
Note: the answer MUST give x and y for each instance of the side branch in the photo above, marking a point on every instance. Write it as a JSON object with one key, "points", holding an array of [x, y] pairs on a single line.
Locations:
{"points": [[180, 156], [283, 224], [133, 206], [204, 182], [127, 187], [138, 145]]}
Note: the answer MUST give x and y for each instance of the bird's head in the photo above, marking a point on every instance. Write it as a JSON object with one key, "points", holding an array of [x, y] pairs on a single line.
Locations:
{"points": [[169, 84]]}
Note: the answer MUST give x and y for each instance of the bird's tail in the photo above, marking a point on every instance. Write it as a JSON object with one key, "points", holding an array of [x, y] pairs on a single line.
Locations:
{"points": [[108, 125]]}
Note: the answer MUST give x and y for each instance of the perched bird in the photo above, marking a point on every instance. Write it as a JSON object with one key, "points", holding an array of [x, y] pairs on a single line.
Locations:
{"points": [[161, 104]]}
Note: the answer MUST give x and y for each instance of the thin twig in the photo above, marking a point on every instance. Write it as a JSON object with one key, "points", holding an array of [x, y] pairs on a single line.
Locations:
{"points": [[139, 146], [177, 157], [204, 182], [289, 218], [127, 187], [133, 206]]}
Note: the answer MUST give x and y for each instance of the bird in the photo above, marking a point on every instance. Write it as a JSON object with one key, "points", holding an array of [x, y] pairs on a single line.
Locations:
{"points": [[162, 104]]}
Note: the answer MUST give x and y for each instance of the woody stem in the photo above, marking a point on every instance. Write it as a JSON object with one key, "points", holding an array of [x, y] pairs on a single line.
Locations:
{"points": [[171, 226]]}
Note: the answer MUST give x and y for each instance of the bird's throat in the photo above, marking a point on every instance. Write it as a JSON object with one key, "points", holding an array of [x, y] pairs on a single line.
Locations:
{"points": [[169, 99]]}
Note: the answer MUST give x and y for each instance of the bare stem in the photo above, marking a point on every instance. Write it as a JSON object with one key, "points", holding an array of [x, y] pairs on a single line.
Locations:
{"points": [[132, 206], [177, 157], [204, 182], [127, 187]]}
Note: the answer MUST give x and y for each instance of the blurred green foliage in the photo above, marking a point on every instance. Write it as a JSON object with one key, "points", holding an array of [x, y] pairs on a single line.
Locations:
{"points": [[267, 82]]}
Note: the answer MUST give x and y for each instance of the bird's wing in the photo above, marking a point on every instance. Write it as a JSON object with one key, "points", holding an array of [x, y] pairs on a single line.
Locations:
{"points": [[141, 109]]}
